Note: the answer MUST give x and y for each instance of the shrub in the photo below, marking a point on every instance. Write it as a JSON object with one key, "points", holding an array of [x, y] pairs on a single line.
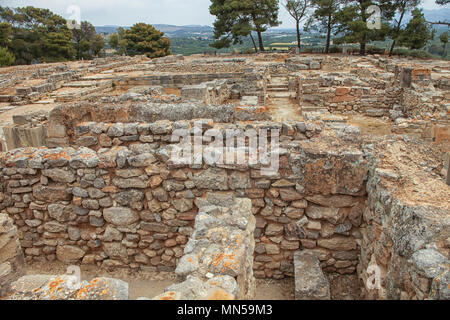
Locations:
{"points": [[413, 53], [335, 49], [375, 50]]}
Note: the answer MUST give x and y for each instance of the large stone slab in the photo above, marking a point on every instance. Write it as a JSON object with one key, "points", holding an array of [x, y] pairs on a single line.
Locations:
{"points": [[310, 282]]}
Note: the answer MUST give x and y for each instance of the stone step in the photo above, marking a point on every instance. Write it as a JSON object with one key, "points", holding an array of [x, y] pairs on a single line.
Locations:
{"points": [[313, 109], [310, 282], [282, 94], [277, 89], [277, 85]]}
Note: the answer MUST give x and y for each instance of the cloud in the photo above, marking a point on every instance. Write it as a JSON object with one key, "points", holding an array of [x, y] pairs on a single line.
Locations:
{"points": [[128, 12]]}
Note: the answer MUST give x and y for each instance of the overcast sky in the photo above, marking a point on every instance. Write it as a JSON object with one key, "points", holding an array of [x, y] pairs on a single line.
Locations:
{"points": [[128, 12]]}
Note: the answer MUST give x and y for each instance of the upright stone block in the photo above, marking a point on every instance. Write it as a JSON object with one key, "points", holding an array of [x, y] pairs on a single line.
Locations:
{"points": [[310, 282]]}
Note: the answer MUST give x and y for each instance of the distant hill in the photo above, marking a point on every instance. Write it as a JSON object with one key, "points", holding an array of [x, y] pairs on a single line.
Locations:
{"points": [[441, 14], [170, 30]]}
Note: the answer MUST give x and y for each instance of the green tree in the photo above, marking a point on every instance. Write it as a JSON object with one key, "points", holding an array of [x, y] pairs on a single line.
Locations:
{"points": [[264, 14], [325, 13], [401, 7], [6, 57], [81, 40], [236, 19], [37, 35], [57, 47], [97, 44], [5, 32], [142, 38], [113, 41], [417, 32], [231, 24], [298, 10], [353, 24], [117, 42]]}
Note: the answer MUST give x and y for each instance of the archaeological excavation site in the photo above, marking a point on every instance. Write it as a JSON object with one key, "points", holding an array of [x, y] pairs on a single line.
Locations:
{"points": [[347, 198]]}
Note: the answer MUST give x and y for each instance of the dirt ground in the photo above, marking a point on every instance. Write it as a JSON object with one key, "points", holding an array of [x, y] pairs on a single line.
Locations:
{"points": [[150, 284]]}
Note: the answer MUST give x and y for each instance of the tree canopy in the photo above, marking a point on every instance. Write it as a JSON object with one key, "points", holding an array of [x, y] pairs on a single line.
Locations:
{"points": [[238, 18], [417, 32], [143, 38]]}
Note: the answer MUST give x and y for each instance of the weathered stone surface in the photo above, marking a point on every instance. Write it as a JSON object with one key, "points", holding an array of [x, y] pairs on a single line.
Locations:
{"points": [[120, 216], [69, 254], [59, 175], [333, 215], [335, 201], [431, 262], [310, 282], [131, 183], [338, 243], [59, 212], [211, 178], [51, 193]]}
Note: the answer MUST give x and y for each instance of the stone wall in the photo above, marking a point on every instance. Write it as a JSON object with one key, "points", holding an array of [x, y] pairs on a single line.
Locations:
{"points": [[404, 243], [12, 264], [343, 93], [123, 203]]}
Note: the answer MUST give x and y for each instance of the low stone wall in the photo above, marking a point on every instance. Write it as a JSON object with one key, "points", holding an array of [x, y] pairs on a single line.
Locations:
{"points": [[12, 265], [216, 92], [343, 94], [64, 118]]}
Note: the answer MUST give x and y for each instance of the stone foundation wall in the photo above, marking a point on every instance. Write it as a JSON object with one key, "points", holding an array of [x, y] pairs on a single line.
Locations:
{"points": [[64, 118], [405, 244], [341, 94], [123, 203], [12, 264]]}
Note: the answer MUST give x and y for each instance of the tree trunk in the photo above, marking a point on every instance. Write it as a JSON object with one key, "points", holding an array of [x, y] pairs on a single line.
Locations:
{"points": [[362, 44], [254, 44], [327, 46], [362, 47], [391, 50], [261, 45], [298, 35]]}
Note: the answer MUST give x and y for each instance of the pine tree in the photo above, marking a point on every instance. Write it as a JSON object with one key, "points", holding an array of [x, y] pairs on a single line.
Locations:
{"points": [[401, 7], [82, 38], [143, 38], [298, 9], [325, 13], [236, 19], [417, 32], [353, 21]]}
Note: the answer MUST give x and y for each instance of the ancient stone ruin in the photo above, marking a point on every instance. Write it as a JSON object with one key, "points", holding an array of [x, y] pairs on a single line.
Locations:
{"points": [[356, 207]]}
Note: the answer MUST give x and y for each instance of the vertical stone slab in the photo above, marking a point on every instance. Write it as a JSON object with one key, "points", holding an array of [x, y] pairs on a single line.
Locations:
{"points": [[310, 282], [219, 254]]}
